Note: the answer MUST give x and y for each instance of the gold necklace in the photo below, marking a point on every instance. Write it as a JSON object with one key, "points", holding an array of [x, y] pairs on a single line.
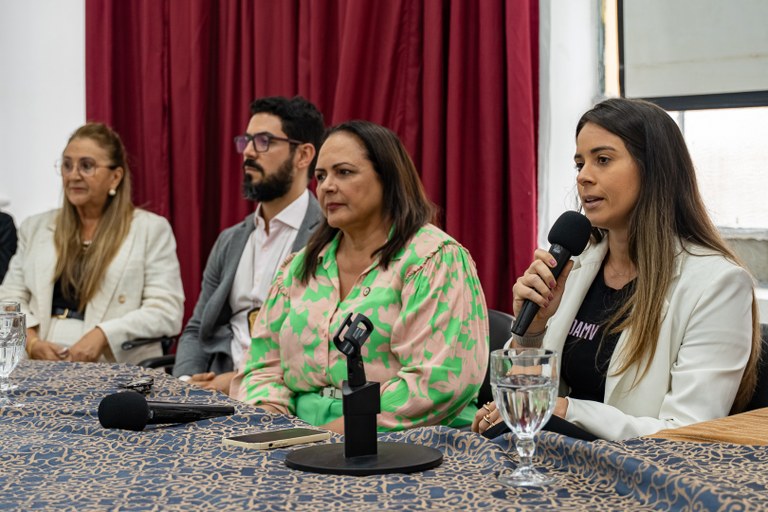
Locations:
{"points": [[615, 272]]}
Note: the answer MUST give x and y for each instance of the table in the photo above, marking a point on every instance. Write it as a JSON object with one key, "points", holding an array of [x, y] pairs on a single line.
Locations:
{"points": [[56, 456], [750, 428]]}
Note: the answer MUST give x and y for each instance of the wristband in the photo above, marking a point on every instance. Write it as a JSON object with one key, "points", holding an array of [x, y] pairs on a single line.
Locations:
{"points": [[534, 340]]}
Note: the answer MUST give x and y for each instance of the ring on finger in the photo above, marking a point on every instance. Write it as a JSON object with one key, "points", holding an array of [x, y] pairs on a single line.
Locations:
{"points": [[489, 420], [487, 407]]}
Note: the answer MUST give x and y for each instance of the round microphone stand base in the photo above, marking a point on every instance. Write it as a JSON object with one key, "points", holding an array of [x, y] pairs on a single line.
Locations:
{"points": [[391, 458]]}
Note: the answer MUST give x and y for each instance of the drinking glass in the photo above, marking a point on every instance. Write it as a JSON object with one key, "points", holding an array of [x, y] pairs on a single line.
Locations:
{"points": [[8, 306], [524, 384], [13, 336]]}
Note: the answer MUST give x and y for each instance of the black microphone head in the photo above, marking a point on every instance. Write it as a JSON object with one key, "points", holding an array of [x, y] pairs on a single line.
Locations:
{"points": [[571, 230], [127, 410]]}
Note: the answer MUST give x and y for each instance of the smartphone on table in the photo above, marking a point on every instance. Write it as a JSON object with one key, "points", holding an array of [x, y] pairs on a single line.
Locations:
{"points": [[278, 438]]}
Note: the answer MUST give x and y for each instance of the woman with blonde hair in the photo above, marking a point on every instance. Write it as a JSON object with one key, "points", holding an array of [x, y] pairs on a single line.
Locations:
{"points": [[98, 271]]}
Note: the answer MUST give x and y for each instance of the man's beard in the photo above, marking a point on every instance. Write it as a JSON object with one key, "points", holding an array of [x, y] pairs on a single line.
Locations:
{"points": [[271, 186]]}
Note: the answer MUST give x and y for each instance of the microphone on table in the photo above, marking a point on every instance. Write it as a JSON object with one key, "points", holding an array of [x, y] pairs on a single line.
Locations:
{"points": [[569, 236], [129, 410]]}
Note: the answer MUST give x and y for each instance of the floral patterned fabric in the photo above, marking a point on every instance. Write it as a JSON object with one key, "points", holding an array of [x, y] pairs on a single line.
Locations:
{"points": [[428, 349]]}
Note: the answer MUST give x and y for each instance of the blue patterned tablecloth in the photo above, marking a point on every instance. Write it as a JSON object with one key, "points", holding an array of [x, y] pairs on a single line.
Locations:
{"points": [[56, 456]]}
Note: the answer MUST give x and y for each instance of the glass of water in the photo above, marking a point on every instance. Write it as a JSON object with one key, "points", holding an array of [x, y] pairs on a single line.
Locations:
{"points": [[13, 335], [524, 383]]}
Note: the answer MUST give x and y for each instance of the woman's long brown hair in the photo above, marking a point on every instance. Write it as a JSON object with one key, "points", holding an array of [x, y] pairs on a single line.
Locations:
{"points": [[404, 201], [669, 214]]}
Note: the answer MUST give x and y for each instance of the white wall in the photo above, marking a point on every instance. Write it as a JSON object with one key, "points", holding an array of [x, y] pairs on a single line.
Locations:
{"points": [[569, 86], [42, 98]]}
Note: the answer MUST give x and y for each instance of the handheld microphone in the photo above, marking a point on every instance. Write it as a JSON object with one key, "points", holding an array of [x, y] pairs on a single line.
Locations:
{"points": [[129, 410], [569, 236]]}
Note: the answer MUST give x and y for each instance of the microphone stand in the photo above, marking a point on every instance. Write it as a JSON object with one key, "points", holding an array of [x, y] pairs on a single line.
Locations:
{"points": [[361, 399], [361, 454]]}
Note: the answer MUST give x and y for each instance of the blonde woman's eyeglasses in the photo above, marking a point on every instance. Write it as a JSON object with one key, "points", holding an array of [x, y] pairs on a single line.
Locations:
{"points": [[85, 166]]}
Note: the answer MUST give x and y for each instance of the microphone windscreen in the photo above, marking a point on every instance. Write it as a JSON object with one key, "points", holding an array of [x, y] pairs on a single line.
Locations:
{"points": [[127, 410], [571, 230]]}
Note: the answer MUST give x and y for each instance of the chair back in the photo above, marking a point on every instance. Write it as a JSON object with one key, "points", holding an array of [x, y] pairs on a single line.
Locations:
{"points": [[499, 326], [166, 361], [760, 397]]}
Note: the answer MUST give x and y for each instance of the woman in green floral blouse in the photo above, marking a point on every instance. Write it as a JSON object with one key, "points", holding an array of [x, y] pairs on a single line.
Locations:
{"points": [[376, 254]]}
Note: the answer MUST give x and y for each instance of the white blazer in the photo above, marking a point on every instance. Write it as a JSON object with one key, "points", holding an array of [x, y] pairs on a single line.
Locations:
{"points": [[141, 295], [703, 346]]}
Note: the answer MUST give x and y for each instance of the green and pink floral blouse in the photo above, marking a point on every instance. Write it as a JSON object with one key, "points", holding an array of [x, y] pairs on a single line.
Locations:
{"points": [[428, 349]]}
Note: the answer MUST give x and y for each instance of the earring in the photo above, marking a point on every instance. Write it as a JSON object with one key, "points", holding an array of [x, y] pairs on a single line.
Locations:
{"points": [[112, 192]]}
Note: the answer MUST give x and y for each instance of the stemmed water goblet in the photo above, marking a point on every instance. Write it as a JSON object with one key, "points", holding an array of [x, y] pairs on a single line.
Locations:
{"points": [[13, 334], [524, 384]]}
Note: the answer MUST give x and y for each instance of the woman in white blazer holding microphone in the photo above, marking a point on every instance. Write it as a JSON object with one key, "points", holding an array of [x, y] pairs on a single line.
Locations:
{"points": [[656, 321], [98, 271]]}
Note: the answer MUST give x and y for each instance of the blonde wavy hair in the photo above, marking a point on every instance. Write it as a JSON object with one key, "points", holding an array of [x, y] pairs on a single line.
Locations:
{"points": [[81, 271]]}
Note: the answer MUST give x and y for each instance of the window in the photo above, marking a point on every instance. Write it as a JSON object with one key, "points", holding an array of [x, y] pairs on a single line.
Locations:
{"points": [[727, 145], [729, 149]]}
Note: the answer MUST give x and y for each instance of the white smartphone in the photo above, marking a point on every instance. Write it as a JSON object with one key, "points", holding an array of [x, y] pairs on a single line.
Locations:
{"points": [[278, 438]]}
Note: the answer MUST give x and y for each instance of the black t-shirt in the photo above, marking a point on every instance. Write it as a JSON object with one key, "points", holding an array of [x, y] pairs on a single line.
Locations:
{"points": [[588, 349]]}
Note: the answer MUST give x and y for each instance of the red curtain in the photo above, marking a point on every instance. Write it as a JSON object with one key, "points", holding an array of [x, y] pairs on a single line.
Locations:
{"points": [[456, 80]]}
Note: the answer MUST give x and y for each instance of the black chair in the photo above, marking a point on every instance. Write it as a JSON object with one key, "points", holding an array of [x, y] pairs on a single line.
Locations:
{"points": [[165, 361], [760, 397], [499, 326]]}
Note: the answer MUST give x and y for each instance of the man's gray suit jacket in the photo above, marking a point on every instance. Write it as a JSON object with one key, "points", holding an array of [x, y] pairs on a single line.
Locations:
{"points": [[205, 344]]}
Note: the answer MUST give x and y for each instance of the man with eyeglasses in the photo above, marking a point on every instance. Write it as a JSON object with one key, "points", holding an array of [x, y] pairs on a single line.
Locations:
{"points": [[279, 152]]}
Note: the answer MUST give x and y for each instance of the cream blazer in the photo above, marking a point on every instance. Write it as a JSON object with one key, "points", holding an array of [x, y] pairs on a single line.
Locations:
{"points": [[141, 295], [703, 347]]}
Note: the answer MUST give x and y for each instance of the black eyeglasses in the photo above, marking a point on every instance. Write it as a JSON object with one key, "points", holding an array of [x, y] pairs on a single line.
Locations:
{"points": [[261, 141], [142, 385]]}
